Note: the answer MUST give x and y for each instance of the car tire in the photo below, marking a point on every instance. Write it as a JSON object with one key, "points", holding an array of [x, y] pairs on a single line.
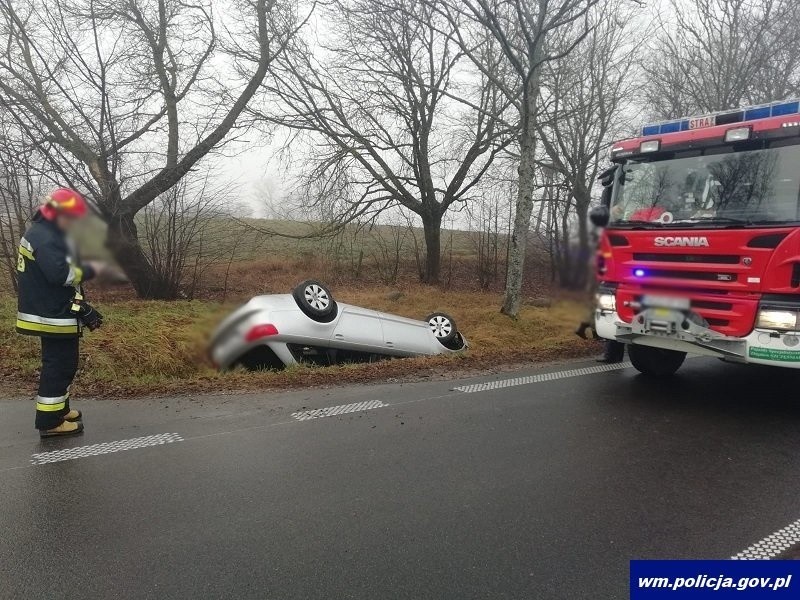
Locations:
{"points": [[655, 362], [443, 327], [316, 301]]}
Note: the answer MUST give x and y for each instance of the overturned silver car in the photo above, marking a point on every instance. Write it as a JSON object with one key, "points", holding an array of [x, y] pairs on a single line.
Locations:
{"points": [[308, 325]]}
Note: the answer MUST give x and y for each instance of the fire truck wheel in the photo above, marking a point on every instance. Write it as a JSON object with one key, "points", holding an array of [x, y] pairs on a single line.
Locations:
{"points": [[655, 362]]}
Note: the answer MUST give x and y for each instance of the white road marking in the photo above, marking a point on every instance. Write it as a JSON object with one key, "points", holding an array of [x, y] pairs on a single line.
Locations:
{"points": [[105, 448], [504, 383], [332, 411], [772, 545]]}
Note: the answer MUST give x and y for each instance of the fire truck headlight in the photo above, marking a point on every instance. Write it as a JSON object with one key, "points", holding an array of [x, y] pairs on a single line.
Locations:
{"points": [[777, 319], [606, 302]]}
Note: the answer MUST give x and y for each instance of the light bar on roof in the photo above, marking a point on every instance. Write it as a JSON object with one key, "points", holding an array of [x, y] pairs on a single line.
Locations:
{"points": [[650, 146], [737, 134], [750, 113], [757, 112]]}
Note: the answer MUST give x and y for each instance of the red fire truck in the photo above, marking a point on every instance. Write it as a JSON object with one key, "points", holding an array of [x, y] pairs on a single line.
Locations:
{"points": [[701, 248]]}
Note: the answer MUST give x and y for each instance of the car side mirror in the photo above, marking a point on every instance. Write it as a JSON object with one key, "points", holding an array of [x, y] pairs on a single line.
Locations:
{"points": [[599, 216]]}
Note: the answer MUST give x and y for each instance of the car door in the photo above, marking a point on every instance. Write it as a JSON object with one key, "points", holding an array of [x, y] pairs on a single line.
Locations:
{"points": [[358, 329], [406, 336]]}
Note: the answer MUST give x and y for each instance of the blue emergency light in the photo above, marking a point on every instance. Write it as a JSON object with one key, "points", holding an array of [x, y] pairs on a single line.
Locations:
{"points": [[750, 113], [638, 272]]}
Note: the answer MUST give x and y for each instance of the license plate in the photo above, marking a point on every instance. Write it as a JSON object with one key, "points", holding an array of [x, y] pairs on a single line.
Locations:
{"points": [[666, 302]]}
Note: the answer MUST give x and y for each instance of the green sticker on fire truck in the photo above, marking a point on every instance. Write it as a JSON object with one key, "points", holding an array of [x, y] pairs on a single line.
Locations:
{"points": [[775, 354]]}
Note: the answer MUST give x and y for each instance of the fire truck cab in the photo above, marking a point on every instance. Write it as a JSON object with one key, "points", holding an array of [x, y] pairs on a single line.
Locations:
{"points": [[701, 248]]}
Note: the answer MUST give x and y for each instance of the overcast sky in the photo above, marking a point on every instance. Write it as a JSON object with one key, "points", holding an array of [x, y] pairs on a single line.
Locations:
{"points": [[254, 168]]}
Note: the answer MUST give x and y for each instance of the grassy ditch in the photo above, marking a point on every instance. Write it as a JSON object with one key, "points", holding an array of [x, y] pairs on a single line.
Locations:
{"points": [[155, 348]]}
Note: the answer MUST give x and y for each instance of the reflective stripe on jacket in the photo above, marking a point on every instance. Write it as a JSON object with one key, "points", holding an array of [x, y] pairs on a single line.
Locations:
{"points": [[48, 277]]}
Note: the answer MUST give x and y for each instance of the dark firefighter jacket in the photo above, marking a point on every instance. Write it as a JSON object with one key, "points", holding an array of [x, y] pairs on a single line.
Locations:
{"points": [[49, 278]]}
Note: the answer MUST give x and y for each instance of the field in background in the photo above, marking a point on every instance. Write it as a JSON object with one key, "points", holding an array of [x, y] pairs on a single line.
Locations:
{"points": [[149, 347], [241, 257], [258, 237], [463, 243], [160, 347]]}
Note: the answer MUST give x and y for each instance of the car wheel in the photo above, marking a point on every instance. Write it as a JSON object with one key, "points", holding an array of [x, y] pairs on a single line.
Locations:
{"points": [[316, 301], [442, 326], [655, 362]]}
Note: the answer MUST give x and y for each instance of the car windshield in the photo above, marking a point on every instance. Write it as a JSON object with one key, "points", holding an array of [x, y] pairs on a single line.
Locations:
{"points": [[749, 187]]}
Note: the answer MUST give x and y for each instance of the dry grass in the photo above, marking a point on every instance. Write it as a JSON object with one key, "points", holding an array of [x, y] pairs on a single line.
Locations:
{"points": [[149, 347]]}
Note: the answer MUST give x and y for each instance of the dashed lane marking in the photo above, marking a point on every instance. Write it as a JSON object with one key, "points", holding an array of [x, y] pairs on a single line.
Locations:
{"points": [[332, 411], [772, 545], [504, 383], [105, 448], [305, 415]]}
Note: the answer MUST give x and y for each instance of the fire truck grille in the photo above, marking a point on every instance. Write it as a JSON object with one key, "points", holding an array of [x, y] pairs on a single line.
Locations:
{"points": [[715, 322], [695, 275], [686, 290], [713, 259], [726, 313], [712, 305]]}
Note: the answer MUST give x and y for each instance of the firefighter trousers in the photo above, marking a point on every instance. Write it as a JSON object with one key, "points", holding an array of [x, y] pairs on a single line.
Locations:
{"points": [[59, 365]]}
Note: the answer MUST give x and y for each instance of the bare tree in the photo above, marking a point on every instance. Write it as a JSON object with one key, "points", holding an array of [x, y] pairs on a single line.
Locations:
{"points": [[527, 35], [186, 231], [559, 232], [19, 192], [395, 120], [586, 103], [344, 250], [131, 94], [718, 54], [388, 245], [486, 239]]}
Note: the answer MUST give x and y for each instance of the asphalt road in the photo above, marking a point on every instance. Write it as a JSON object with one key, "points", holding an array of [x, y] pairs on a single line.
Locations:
{"points": [[538, 490]]}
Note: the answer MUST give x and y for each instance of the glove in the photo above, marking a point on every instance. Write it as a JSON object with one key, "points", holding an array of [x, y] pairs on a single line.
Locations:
{"points": [[89, 316], [89, 271]]}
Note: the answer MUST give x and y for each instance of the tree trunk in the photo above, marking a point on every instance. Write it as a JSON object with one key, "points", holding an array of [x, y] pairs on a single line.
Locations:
{"points": [[122, 240], [432, 227], [585, 250], [527, 169], [565, 252], [522, 222]]}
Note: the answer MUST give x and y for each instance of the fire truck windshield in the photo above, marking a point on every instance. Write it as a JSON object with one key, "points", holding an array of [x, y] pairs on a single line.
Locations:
{"points": [[754, 187]]}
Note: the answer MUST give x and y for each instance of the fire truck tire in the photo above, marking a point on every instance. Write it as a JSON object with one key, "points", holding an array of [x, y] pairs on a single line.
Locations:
{"points": [[655, 362]]}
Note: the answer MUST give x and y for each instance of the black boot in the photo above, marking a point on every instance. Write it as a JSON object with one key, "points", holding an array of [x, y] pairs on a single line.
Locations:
{"points": [[614, 352]]}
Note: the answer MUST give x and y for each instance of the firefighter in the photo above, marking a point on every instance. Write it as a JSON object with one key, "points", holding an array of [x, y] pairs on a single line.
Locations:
{"points": [[51, 306]]}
